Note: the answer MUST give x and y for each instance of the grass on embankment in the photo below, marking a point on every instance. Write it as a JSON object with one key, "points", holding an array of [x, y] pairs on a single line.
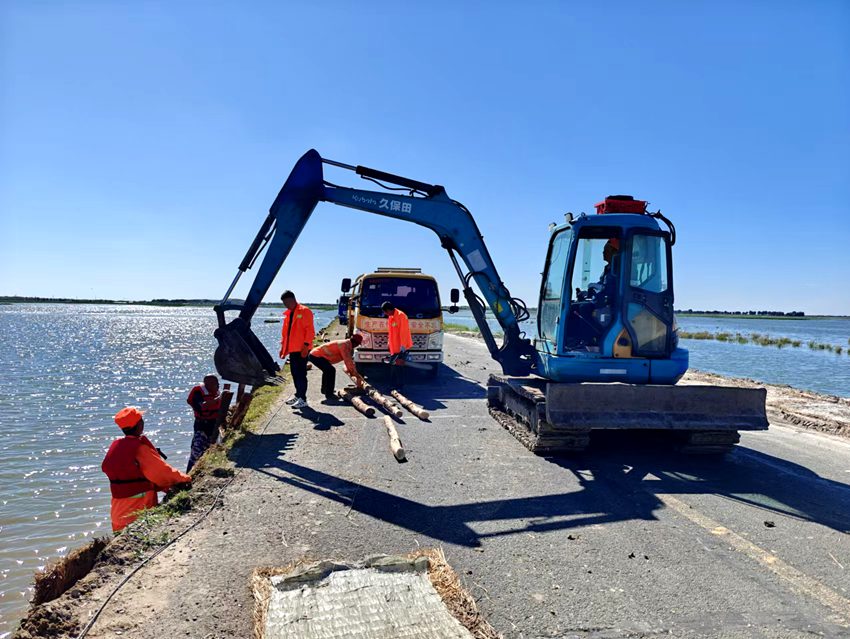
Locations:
{"points": [[763, 340]]}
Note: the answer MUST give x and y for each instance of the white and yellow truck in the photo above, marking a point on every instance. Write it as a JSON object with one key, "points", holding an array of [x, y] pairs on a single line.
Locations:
{"points": [[408, 289]]}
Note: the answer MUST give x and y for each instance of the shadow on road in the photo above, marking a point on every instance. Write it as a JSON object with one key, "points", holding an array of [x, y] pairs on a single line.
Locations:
{"points": [[614, 485]]}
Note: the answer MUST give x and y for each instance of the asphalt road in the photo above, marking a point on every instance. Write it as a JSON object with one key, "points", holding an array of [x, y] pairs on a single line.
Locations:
{"points": [[626, 540]]}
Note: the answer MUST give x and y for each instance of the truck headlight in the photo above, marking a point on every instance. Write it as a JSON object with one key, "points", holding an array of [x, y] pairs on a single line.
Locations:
{"points": [[435, 342]]}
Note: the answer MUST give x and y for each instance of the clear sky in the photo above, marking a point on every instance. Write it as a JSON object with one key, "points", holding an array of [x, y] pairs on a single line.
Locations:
{"points": [[141, 143]]}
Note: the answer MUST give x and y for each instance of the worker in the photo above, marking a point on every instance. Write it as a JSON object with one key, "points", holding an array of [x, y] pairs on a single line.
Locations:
{"points": [[205, 401], [399, 339], [341, 350], [136, 470], [296, 340], [606, 286]]}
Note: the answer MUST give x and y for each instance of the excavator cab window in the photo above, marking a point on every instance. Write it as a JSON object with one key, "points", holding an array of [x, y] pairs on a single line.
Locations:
{"points": [[594, 288], [649, 302], [553, 286]]}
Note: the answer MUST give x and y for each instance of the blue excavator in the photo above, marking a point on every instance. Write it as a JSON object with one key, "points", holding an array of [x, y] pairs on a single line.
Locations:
{"points": [[606, 353]]}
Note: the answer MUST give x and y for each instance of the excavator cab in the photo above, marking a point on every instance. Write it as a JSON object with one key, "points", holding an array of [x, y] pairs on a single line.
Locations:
{"points": [[607, 294]]}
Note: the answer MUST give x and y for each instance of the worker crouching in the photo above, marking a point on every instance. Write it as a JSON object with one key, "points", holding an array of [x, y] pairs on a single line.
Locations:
{"points": [[136, 470], [325, 356]]}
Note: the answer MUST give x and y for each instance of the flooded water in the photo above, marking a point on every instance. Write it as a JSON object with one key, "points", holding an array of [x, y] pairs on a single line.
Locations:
{"points": [[66, 370], [821, 371]]}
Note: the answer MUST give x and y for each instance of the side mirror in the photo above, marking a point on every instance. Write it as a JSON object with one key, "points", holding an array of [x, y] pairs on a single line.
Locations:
{"points": [[455, 295], [346, 285]]}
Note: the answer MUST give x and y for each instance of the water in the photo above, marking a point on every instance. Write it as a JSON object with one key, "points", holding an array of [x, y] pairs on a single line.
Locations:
{"points": [[67, 369], [820, 371]]}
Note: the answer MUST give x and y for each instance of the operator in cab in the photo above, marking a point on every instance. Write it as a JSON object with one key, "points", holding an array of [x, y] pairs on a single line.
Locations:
{"points": [[136, 470], [325, 356], [606, 286], [205, 401], [296, 340]]}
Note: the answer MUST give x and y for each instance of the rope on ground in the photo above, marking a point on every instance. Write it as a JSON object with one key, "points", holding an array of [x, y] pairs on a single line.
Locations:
{"points": [[121, 584]]}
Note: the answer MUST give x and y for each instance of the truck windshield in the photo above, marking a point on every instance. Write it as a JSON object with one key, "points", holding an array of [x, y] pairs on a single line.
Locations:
{"points": [[416, 297]]}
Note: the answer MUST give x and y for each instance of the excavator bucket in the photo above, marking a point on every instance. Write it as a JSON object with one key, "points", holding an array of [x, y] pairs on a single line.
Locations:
{"points": [[241, 356], [550, 417]]}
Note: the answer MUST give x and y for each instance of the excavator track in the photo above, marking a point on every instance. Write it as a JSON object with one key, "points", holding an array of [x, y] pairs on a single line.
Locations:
{"points": [[550, 417], [519, 405]]}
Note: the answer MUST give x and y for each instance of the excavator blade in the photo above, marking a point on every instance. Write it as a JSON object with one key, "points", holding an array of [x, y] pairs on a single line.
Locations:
{"points": [[551, 417], [241, 356]]}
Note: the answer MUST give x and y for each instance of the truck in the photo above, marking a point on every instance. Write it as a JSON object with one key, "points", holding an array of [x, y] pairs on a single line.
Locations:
{"points": [[408, 289]]}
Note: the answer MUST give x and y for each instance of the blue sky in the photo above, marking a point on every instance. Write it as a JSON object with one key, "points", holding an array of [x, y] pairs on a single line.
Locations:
{"points": [[141, 143]]}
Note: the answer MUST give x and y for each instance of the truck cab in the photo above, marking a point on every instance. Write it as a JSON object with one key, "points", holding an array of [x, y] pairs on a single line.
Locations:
{"points": [[407, 289]]}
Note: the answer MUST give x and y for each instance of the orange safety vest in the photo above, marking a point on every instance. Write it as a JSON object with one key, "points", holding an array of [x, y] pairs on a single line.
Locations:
{"points": [[208, 411], [122, 469], [336, 351], [399, 332], [292, 340]]}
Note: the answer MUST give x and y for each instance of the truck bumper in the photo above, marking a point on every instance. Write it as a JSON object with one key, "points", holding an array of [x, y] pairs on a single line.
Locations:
{"points": [[370, 357]]}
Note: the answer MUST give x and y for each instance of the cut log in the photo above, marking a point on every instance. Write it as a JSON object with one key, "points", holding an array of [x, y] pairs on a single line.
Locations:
{"points": [[395, 443], [221, 421], [357, 402], [241, 410], [416, 409], [384, 402]]}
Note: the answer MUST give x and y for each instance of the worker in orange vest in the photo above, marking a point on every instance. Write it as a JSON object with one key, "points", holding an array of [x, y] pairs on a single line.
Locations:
{"points": [[399, 339], [296, 340], [326, 355], [205, 401], [136, 470]]}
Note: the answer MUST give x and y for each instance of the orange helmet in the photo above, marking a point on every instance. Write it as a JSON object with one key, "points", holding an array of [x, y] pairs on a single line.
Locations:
{"points": [[128, 417]]}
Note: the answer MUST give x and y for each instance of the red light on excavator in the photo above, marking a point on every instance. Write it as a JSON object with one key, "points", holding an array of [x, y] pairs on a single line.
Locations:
{"points": [[620, 204]]}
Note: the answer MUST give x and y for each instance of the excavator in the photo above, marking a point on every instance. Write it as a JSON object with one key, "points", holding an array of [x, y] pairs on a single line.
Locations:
{"points": [[606, 354]]}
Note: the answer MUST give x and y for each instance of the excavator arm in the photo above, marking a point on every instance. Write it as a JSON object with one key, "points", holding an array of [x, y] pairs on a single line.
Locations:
{"points": [[241, 357]]}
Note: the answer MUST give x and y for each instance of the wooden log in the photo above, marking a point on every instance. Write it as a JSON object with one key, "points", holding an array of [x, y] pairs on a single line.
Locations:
{"points": [[416, 409], [240, 391], [387, 404], [226, 398], [241, 410], [395, 443], [355, 401]]}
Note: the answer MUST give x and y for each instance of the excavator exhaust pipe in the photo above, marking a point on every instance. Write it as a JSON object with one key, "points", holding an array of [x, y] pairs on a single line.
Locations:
{"points": [[241, 356]]}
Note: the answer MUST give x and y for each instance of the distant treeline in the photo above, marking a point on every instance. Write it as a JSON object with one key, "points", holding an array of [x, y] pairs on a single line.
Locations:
{"points": [[689, 311], [18, 299]]}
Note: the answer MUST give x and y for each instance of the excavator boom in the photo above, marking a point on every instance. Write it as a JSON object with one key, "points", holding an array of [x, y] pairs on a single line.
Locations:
{"points": [[242, 358]]}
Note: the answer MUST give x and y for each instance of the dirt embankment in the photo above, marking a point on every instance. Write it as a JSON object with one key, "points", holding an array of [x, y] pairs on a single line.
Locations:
{"points": [[806, 409]]}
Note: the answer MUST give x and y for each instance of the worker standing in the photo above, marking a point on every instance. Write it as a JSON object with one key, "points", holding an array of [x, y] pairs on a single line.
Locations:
{"points": [[136, 470], [205, 401], [296, 340], [325, 356], [398, 333]]}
